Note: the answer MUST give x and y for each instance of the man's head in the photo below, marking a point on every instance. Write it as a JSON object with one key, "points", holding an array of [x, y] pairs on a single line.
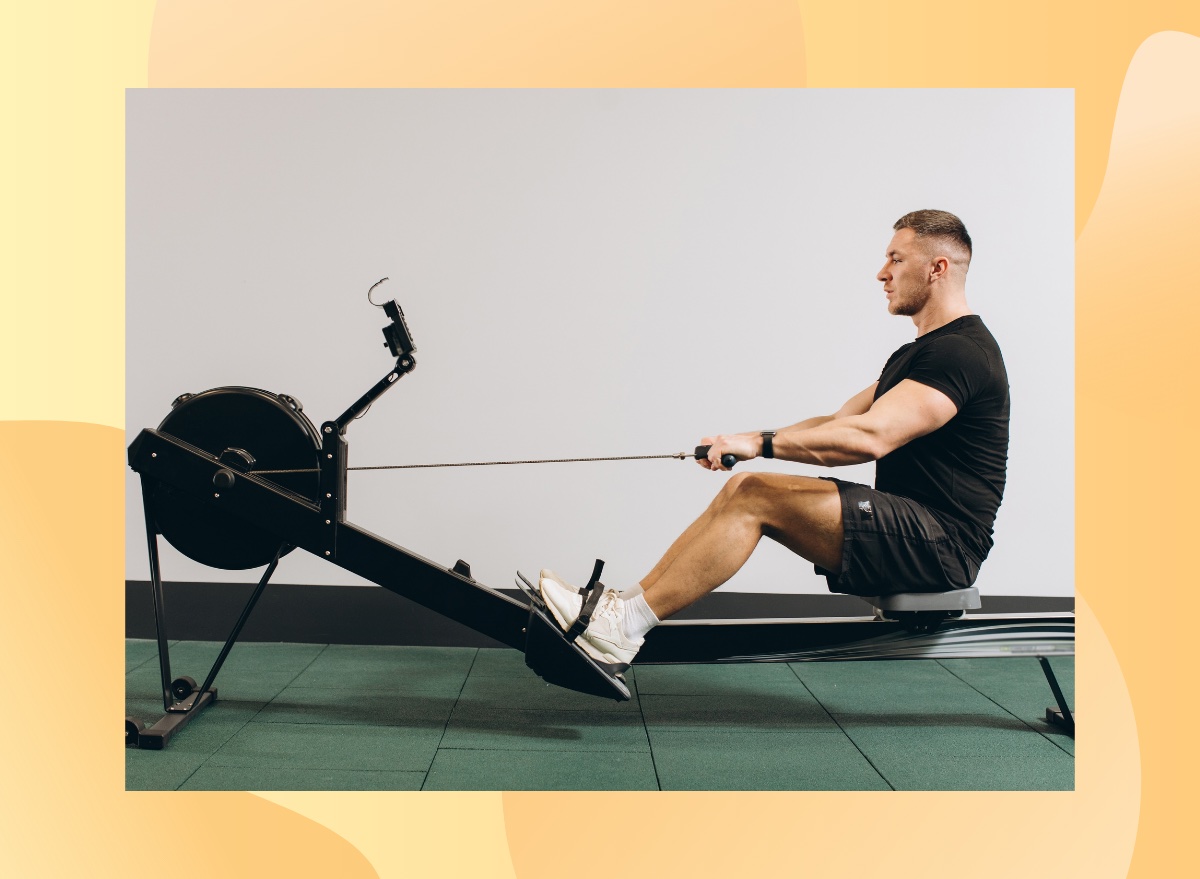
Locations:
{"points": [[930, 252]]}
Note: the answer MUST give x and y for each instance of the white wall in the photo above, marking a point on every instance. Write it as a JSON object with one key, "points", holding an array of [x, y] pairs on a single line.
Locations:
{"points": [[589, 273]]}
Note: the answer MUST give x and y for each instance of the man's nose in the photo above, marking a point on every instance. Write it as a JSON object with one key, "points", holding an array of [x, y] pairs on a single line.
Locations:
{"points": [[883, 273]]}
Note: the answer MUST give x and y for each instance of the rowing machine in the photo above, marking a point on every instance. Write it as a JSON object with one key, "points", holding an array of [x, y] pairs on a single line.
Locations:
{"points": [[236, 478]]}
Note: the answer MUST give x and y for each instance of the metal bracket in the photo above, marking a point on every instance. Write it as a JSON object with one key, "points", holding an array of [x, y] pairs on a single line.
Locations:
{"points": [[333, 485]]}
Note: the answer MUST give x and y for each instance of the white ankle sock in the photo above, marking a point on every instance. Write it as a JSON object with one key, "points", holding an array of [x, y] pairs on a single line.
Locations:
{"points": [[639, 618]]}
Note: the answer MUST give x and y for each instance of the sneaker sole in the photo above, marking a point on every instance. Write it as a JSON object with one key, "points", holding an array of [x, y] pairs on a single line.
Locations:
{"points": [[606, 660]]}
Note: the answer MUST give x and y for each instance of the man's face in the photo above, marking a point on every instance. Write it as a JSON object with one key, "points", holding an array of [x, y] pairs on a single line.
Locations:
{"points": [[905, 274]]}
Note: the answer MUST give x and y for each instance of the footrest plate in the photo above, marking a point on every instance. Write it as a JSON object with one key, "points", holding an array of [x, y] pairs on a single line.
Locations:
{"points": [[557, 661]]}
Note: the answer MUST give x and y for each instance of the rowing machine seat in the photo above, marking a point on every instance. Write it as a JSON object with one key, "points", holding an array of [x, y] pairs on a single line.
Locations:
{"points": [[924, 611], [954, 600]]}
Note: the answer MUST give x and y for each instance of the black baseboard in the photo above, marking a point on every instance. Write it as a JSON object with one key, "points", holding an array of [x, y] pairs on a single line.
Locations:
{"points": [[372, 615]]}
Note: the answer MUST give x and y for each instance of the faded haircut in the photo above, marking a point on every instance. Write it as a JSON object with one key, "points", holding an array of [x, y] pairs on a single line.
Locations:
{"points": [[937, 224]]}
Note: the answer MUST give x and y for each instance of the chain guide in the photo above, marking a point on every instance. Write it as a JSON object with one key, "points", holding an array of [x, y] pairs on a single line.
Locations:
{"points": [[274, 431]]}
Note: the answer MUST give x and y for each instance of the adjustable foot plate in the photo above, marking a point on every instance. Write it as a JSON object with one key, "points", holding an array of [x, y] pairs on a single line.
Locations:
{"points": [[557, 661]]}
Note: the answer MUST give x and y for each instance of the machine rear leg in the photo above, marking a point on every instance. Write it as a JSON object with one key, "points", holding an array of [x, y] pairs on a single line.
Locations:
{"points": [[1060, 716], [183, 700]]}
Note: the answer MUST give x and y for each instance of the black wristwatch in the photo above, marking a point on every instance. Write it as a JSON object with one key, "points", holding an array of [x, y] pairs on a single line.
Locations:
{"points": [[768, 437]]}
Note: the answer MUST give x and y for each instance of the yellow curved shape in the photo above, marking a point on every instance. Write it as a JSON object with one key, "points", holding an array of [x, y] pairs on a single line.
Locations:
{"points": [[472, 44], [1137, 320], [415, 834], [65, 811]]}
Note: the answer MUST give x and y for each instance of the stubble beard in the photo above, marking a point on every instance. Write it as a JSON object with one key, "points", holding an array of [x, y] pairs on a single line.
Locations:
{"points": [[908, 303]]}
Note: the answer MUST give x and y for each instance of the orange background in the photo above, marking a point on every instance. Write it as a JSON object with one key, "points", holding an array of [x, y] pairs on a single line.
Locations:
{"points": [[1135, 70]]}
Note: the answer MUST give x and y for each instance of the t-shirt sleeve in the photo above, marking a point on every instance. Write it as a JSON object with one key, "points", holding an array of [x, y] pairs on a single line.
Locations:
{"points": [[954, 365]]}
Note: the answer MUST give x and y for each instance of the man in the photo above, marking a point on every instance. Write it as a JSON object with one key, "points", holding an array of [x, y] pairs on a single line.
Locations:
{"points": [[936, 422]]}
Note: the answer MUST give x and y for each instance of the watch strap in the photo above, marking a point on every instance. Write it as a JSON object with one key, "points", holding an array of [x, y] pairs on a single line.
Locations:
{"points": [[768, 444]]}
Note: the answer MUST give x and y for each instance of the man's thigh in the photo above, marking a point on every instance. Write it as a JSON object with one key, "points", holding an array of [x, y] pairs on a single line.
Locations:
{"points": [[800, 512]]}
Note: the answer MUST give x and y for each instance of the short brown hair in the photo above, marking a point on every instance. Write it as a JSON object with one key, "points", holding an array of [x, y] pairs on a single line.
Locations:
{"points": [[936, 224]]}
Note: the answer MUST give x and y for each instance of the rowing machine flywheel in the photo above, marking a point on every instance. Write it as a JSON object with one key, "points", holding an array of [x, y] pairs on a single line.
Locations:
{"points": [[276, 434]]}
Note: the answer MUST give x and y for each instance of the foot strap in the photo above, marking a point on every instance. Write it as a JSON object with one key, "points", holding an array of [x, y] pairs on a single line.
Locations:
{"points": [[591, 597]]}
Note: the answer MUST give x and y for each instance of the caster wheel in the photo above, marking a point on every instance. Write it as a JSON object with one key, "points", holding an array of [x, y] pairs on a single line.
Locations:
{"points": [[182, 687], [133, 729]]}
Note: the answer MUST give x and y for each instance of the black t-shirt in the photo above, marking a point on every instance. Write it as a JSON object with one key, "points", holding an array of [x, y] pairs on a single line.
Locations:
{"points": [[957, 471]]}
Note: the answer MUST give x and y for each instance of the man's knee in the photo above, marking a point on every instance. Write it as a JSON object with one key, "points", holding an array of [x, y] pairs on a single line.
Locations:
{"points": [[762, 492], [755, 488], [742, 489]]}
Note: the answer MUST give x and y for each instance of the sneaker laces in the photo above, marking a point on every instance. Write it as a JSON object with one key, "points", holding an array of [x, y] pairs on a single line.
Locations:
{"points": [[609, 606]]}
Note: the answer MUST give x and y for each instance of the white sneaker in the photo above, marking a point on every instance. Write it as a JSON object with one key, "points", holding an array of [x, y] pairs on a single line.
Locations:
{"points": [[604, 639], [547, 574], [564, 600]]}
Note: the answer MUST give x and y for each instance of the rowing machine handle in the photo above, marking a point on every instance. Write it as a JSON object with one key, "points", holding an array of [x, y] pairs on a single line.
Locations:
{"points": [[727, 460]]}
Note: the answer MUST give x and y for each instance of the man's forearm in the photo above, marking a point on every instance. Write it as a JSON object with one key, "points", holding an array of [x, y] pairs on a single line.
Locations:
{"points": [[799, 425], [807, 423], [827, 441]]}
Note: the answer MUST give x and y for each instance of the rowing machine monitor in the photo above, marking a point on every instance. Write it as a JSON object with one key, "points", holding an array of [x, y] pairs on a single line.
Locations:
{"points": [[397, 336]]}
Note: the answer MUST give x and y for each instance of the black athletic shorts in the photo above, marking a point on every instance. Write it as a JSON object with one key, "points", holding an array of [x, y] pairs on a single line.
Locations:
{"points": [[893, 544]]}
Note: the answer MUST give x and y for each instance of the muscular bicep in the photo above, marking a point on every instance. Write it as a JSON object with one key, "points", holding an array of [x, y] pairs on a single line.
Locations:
{"points": [[906, 412], [859, 403]]}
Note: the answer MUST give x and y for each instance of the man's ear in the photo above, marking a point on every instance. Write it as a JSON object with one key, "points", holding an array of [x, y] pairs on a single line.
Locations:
{"points": [[940, 266]]}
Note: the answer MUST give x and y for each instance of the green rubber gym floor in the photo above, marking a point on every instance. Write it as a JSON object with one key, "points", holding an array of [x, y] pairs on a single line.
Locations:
{"points": [[336, 717]]}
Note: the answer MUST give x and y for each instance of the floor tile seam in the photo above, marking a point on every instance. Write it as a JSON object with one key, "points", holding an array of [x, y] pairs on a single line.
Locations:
{"points": [[431, 692], [582, 751], [281, 766], [652, 728], [606, 711], [1005, 758], [649, 744], [303, 724], [934, 712], [1054, 741], [567, 715], [306, 667], [449, 717], [870, 762], [225, 667], [1011, 713], [344, 726], [660, 728], [248, 721], [714, 695], [220, 747], [151, 658], [911, 757]]}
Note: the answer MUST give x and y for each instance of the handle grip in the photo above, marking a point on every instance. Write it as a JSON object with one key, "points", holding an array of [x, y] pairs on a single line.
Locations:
{"points": [[727, 460]]}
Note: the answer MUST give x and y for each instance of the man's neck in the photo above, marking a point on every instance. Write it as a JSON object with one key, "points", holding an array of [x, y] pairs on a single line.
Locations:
{"points": [[936, 315]]}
